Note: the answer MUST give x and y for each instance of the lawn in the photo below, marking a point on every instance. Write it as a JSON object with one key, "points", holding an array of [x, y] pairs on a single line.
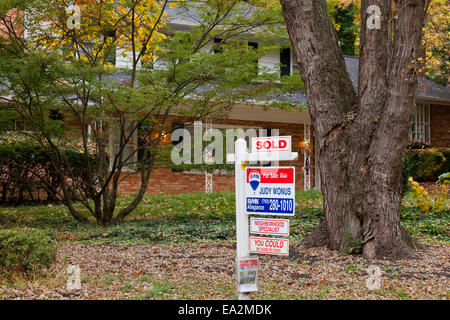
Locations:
{"points": [[183, 246], [199, 217]]}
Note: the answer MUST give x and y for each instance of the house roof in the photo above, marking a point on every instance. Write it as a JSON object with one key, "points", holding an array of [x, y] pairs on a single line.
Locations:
{"points": [[426, 89]]}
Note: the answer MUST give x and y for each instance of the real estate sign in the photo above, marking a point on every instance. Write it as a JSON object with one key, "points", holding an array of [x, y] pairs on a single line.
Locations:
{"points": [[276, 227], [270, 191], [247, 274], [271, 144], [276, 246]]}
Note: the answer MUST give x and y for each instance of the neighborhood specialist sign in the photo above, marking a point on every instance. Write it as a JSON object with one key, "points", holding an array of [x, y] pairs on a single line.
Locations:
{"points": [[276, 246], [270, 191], [277, 227]]}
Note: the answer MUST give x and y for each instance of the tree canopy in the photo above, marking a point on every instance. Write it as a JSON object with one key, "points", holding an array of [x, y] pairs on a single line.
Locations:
{"points": [[165, 74]]}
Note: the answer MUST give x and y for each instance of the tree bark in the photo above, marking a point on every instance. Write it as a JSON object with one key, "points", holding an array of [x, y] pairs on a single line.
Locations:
{"points": [[362, 136]]}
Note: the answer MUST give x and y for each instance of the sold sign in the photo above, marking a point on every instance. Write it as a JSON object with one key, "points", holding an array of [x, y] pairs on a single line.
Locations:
{"points": [[271, 144]]}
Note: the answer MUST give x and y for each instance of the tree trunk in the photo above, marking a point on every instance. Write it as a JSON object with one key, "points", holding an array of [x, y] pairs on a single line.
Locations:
{"points": [[362, 136]]}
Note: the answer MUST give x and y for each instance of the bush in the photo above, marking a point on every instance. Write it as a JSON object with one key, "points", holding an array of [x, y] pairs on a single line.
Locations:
{"points": [[425, 201], [25, 251], [27, 174], [425, 165]]}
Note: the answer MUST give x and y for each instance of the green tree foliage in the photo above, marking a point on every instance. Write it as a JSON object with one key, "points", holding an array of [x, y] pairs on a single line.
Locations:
{"points": [[183, 74], [348, 29]]}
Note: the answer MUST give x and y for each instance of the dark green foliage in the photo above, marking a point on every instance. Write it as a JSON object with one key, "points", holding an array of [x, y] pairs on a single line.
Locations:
{"points": [[292, 83], [27, 173], [425, 165], [348, 31], [181, 75], [25, 251], [197, 218]]}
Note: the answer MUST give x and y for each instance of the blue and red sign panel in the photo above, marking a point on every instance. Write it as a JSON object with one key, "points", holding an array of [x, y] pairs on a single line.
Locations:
{"points": [[270, 191]]}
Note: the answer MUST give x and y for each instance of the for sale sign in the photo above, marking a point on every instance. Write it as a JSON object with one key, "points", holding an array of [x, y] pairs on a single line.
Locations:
{"points": [[270, 191], [271, 144], [276, 246], [278, 227], [247, 274]]}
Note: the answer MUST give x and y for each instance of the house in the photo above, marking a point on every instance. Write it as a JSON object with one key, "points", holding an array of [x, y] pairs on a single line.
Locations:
{"points": [[431, 125]]}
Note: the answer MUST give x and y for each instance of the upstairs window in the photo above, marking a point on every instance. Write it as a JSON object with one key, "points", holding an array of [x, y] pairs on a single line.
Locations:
{"points": [[112, 55], [420, 129], [217, 45], [285, 61], [254, 45]]}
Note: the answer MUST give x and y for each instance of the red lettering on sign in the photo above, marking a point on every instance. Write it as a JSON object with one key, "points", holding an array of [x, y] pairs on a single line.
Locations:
{"points": [[271, 144], [275, 175]]}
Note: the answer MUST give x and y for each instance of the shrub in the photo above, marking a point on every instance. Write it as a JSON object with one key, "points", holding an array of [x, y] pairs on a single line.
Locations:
{"points": [[426, 201], [25, 251], [26, 171], [425, 165]]}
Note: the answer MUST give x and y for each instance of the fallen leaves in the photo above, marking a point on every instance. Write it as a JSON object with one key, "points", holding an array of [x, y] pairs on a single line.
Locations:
{"points": [[208, 270]]}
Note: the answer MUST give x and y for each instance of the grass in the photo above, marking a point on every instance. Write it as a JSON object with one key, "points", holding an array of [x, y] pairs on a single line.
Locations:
{"points": [[199, 217]]}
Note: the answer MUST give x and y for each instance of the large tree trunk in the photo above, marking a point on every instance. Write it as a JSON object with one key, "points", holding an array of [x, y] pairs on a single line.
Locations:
{"points": [[362, 136]]}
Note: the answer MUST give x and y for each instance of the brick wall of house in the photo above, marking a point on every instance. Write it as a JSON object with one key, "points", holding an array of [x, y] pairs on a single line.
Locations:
{"points": [[440, 125], [164, 180]]}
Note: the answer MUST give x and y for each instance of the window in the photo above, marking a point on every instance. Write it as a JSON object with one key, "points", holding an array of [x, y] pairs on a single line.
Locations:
{"points": [[112, 55], [254, 45], [229, 135], [129, 154], [420, 129], [21, 125], [217, 45], [285, 61]]}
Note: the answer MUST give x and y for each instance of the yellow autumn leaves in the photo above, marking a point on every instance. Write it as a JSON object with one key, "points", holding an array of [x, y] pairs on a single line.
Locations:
{"points": [[436, 37], [132, 26], [426, 201]]}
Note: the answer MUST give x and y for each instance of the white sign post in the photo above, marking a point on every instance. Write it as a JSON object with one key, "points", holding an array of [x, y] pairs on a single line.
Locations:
{"points": [[277, 150]]}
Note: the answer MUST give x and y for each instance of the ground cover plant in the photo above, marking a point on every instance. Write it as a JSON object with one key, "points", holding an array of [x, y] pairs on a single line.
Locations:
{"points": [[184, 218], [183, 246]]}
